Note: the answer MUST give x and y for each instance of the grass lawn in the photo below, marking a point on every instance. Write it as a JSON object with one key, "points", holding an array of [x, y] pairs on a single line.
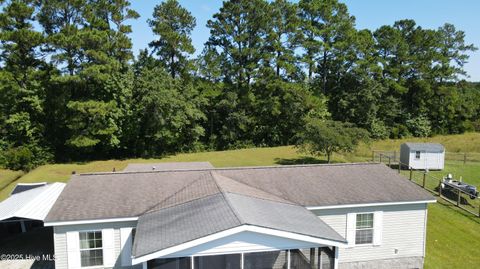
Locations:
{"points": [[453, 239], [8, 176]]}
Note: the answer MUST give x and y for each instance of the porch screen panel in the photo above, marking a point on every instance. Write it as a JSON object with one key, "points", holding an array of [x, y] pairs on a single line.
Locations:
{"points": [[173, 263], [265, 260], [303, 258], [232, 261], [327, 258]]}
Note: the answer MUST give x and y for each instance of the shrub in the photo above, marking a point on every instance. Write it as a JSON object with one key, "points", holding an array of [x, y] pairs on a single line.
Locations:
{"points": [[400, 131], [419, 126], [26, 158]]}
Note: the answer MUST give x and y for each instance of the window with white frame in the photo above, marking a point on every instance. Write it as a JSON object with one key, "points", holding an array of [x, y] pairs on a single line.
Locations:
{"points": [[364, 229], [417, 155], [91, 252]]}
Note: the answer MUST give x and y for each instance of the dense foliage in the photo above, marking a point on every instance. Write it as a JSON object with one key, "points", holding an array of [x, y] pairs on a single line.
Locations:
{"points": [[71, 88], [322, 137]]}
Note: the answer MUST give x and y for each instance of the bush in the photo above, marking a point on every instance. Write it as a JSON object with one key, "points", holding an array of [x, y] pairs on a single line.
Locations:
{"points": [[400, 131], [25, 158], [419, 126], [378, 130], [19, 159]]}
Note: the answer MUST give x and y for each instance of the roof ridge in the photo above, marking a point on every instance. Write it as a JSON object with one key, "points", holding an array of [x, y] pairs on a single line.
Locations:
{"points": [[214, 175], [228, 168], [222, 192], [150, 211], [175, 193]]}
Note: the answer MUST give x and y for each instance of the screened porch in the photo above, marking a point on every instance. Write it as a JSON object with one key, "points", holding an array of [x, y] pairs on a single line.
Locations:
{"points": [[318, 258]]}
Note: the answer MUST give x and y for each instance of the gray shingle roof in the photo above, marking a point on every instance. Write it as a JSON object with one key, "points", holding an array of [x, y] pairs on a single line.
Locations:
{"points": [[129, 194], [145, 167], [336, 184], [168, 227], [431, 147], [164, 228]]}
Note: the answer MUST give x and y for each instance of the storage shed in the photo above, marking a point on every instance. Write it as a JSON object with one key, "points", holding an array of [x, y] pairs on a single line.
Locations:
{"points": [[422, 156]]}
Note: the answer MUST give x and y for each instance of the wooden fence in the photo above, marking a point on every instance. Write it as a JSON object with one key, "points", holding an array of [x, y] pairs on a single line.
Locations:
{"points": [[394, 156], [424, 179]]}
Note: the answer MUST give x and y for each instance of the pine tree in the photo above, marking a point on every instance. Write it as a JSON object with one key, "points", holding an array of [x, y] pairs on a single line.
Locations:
{"points": [[173, 24]]}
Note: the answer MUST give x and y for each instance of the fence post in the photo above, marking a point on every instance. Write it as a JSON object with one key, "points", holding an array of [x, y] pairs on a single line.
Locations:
{"points": [[390, 162], [424, 178], [440, 188], [394, 156], [411, 174], [373, 155], [399, 167], [458, 198], [464, 158], [380, 157]]}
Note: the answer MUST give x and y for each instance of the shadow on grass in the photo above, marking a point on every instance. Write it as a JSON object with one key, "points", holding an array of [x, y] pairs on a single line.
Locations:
{"points": [[459, 211], [300, 160], [453, 196]]}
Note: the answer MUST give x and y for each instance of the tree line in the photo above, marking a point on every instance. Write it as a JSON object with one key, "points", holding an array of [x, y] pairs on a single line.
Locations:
{"points": [[72, 89]]}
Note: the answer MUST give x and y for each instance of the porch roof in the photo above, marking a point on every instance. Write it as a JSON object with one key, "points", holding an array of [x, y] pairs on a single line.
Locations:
{"points": [[31, 203]]}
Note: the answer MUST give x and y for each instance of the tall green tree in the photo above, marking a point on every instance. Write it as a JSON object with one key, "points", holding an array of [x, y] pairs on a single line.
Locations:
{"points": [[452, 52], [91, 39], [22, 77], [173, 24], [166, 115], [326, 33], [281, 39], [238, 34]]}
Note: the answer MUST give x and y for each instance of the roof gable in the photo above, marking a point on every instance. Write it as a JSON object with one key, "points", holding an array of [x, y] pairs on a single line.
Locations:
{"points": [[173, 226]]}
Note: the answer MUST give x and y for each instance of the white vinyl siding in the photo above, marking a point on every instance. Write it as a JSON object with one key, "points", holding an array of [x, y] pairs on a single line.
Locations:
{"points": [[62, 257], [60, 248], [402, 229]]}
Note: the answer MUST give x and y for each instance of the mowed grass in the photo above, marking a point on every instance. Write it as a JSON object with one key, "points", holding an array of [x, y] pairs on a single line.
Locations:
{"points": [[8, 176], [453, 237]]}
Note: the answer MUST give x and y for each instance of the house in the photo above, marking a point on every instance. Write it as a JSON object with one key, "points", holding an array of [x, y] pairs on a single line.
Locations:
{"points": [[423, 156], [303, 216]]}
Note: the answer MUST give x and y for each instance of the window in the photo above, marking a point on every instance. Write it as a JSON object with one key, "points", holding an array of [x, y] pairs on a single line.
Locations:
{"points": [[417, 155], [91, 252], [364, 229]]}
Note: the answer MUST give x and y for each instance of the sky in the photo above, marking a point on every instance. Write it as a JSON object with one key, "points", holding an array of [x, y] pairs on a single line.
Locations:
{"points": [[369, 14]]}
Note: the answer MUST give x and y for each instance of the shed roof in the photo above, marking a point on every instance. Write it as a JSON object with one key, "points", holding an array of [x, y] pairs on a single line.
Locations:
{"points": [[31, 204], [132, 194], [430, 147]]}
